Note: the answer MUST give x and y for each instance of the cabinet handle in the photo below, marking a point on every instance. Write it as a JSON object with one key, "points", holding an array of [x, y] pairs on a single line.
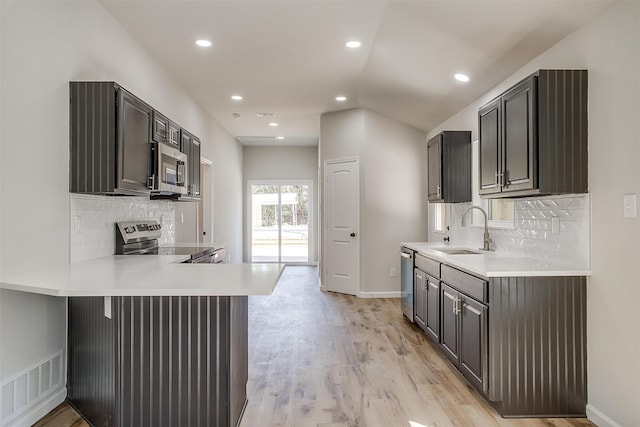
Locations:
{"points": [[433, 285], [419, 276], [438, 192], [500, 180]]}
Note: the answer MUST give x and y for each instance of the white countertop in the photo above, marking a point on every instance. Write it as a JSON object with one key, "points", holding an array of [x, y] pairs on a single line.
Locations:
{"points": [[496, 264], [148, 275]]}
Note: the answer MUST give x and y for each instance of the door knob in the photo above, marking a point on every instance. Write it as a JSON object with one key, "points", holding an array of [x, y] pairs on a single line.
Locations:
{"points": [[352, 234]]}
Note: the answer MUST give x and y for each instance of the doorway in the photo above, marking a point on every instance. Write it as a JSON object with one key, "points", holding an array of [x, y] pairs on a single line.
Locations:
{"points": [[279, 218]]}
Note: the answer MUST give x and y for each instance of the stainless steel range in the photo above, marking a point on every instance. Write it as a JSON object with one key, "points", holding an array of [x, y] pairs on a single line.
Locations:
{"points": [[141, 238]]}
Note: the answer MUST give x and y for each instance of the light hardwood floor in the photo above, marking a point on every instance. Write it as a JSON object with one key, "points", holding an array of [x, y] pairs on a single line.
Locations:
{"points": [[324, 359]]}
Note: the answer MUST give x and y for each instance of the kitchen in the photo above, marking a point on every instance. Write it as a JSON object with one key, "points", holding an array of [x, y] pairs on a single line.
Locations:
{"points": [[41, 54]]}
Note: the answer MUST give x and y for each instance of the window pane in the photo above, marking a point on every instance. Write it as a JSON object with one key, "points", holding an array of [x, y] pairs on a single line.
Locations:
{"points": [[264, 224], [295, 223], [501, 210]]}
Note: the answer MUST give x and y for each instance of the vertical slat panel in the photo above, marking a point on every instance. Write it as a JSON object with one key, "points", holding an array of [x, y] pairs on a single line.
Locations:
{"points": [[91, 360], [562, 143], [178, 360], [92, 123], [537, 345]]}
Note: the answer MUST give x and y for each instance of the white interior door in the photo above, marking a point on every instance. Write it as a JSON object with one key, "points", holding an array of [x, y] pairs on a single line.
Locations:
{"points": [[342, 201]]}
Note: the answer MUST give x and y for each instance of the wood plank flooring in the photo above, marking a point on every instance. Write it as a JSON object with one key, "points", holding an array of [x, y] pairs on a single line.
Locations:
{"points": [[324, 359], [329, 360]]}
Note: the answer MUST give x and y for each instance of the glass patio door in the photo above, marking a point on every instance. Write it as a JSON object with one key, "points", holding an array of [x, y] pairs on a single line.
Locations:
{"points": [[279, 219]]}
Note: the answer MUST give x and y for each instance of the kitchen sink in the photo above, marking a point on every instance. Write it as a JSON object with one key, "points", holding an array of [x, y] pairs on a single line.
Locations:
{"points": [[458, 251]]}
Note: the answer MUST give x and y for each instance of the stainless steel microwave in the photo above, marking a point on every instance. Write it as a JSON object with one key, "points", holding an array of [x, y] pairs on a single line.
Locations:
{"points": [[170, 175]]}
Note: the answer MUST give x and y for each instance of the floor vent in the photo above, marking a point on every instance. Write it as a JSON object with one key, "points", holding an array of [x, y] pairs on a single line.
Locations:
{"points": [[26, 389]]}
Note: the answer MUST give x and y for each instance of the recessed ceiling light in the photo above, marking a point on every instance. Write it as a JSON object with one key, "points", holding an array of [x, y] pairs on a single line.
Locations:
{"points": [[203, 43], [273, 124], [236, 97], [280, 138], [353, 44], [461, 77], [341, 98]]}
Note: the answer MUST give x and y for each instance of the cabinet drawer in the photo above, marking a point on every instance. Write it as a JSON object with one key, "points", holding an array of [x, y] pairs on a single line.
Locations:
{"points": [[466, 283], [428, 265]]}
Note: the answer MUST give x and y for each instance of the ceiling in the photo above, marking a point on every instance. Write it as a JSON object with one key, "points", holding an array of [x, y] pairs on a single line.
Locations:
{"points": [[289, 57]]}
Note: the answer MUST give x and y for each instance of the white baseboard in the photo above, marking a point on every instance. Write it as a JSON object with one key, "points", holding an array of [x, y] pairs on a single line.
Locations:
{"points": [[599, 418], [393, 294], [33, 415]]}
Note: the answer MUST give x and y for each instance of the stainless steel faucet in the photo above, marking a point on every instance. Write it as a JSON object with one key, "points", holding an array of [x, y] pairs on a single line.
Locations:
{"points": [[487, 239]]}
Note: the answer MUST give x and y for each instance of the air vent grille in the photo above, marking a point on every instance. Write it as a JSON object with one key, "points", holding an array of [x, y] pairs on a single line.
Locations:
{"points": [[27, 388], [265, 115]]}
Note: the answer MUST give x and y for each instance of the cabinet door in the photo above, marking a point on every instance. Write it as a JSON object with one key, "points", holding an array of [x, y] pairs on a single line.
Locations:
{"points": [[449, 322], [420, 281], [489, 147], [160, 128], [194, 170], [174, 135], [434, 161], [185, 147], [134, 127], [519, 139], [473, 342], [433, 308]]}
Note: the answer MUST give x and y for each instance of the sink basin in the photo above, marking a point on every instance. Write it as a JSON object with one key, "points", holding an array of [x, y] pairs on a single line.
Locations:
{"points": [[458, 251]]}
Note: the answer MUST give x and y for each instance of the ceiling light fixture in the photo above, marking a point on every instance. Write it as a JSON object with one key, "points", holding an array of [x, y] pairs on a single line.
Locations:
{"points": [[236, 97], [273, 124], [203, 43], [353, 44], [280, 138], [461, 77], [341, 98]]}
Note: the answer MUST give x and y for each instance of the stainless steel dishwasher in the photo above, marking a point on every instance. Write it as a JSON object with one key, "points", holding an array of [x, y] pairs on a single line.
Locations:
{"points": [[406, 282]]}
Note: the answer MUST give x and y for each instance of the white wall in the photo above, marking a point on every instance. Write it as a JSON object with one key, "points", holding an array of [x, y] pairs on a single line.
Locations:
{"points": [[392, 188], [44, 45], [609, 48], [285, 163], [226, 154]]}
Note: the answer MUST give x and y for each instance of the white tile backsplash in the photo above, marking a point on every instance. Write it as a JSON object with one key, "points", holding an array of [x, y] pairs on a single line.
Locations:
{"points": [[93, 218], [532, 234]]}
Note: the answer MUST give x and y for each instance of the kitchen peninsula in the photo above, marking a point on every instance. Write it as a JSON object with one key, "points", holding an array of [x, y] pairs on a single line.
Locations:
{"points": [[152, 341]]}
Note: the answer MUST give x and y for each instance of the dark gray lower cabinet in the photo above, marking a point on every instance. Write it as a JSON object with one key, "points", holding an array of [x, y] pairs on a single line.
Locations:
{"points": [[420, 298], [158, 361], [464, 334], [520, 341], [433, 308], [473, 342], [449, 337]]}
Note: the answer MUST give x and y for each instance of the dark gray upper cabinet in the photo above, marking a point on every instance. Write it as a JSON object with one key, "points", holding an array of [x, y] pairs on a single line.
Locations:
{"points": [[108, 140], [165, 131], [190, 145], [449, 163], [533, 137]]}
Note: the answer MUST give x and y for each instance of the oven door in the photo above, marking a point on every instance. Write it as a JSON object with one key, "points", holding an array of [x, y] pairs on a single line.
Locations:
{"points": [[171, 170]]}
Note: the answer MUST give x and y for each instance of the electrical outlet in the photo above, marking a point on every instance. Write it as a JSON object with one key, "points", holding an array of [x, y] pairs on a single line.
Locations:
{"points": [[630, 206], [555, 225], [76, 224], [392, 272]]}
